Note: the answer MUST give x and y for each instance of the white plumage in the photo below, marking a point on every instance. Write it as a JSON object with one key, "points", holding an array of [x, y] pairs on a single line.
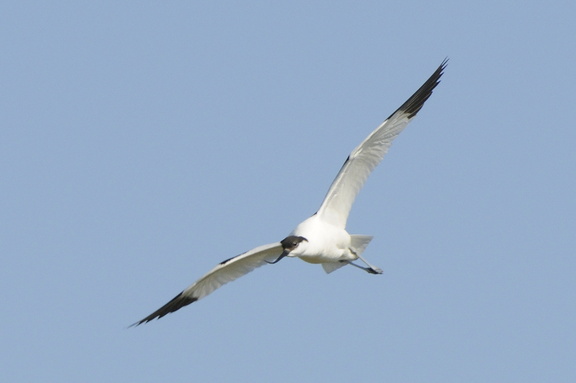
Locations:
{"points": [[322, 238]]}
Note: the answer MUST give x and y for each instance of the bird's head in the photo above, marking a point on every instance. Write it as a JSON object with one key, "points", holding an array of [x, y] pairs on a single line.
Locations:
{"points": [[290, 244]]}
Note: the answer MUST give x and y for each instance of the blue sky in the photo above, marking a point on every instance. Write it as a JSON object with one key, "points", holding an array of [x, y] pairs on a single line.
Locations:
{"points": [[142, 143]]}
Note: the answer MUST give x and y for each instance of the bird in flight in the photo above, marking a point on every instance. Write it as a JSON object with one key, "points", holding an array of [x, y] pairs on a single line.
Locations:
{"points": [[322, 238]]}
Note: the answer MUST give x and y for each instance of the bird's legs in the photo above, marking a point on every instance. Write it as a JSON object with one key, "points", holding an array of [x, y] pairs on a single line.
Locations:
{"points": [[374, 269], [370, 269]]}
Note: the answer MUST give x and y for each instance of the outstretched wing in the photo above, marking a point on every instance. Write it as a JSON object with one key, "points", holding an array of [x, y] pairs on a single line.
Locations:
{"points": [[369, 153], [225, 272]]}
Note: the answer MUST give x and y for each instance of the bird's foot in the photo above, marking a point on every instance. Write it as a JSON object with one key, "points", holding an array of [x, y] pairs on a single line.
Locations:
{"points": [[374, 270]]}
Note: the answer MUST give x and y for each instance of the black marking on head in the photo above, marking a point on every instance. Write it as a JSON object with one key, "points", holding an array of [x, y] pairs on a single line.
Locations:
{"points": [[416, 101], [291, 242], [175, 304]]}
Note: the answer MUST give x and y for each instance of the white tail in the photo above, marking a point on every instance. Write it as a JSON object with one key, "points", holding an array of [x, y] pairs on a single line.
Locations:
{"points": [[358, 244]]}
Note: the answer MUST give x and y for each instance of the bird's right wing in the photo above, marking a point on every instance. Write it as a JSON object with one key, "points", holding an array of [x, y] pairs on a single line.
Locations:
{"points": [[225, 272]]}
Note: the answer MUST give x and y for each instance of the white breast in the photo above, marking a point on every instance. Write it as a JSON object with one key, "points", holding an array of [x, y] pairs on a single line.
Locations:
{"points": [[325, 242]]}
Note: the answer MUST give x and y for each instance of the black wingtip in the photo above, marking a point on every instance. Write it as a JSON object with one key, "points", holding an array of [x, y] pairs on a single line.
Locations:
{"points": [[413, 105], [175, 304]]}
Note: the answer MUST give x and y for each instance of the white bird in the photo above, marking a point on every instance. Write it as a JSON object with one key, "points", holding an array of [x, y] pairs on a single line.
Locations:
{"points": [[322, 238]]}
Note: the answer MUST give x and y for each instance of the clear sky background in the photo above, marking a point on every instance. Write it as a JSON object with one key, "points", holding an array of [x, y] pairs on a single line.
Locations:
{"points": [[141, 143]]}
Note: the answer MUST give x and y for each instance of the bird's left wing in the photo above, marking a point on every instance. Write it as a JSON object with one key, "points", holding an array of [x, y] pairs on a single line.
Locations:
{"points": [[225, 272], [369, 153]]}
